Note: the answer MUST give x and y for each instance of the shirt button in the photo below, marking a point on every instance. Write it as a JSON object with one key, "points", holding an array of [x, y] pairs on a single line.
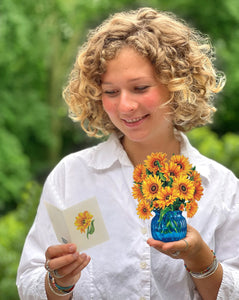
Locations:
{"points": [[144, 230], [143, 265]]}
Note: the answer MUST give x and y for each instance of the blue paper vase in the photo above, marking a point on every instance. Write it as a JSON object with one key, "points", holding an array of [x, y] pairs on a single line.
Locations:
{"points": [[173, 226]]}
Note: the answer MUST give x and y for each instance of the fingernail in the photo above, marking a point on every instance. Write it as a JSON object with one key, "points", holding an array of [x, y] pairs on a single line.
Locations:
{"points": [[71, 248], [83, 255], [76, 254]]}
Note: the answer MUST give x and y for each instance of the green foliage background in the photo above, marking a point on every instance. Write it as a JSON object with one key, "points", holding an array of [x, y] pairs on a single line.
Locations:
{"points": [[38, 43]]}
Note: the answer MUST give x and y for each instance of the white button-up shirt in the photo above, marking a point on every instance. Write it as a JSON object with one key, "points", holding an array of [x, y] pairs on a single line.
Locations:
{"points": [[125, 267]]}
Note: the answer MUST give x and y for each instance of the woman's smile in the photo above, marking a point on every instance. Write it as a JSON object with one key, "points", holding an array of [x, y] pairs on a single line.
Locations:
{"points": [[135, 121]]}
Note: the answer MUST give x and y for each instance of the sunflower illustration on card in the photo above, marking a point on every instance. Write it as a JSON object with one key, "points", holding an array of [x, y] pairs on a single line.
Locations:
{"points": [[82, 224]]}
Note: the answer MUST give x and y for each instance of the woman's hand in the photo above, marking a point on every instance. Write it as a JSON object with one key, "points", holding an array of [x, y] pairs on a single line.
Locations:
{"points": [[198, 257], [187, 248], [65, 263]]}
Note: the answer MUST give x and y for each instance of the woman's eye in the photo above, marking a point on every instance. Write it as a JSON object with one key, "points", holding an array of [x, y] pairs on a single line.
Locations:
{"points": [[141, 89], [110, 92]]}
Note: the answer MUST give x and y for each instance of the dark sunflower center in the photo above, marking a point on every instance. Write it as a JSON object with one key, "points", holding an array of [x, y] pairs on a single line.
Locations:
{"points": [[155, 163], [154, 188], [183, 188], [180, 165]]}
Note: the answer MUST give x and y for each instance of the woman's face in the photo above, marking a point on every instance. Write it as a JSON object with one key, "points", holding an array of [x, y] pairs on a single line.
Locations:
{"points": [[132, 97]]}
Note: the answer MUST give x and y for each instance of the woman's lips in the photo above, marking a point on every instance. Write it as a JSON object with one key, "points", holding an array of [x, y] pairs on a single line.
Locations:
{"points": [[134, 121]]}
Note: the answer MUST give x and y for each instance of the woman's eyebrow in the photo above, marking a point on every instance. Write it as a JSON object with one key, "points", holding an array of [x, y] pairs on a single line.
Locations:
{"points": [[130, 80], [106, 83]]}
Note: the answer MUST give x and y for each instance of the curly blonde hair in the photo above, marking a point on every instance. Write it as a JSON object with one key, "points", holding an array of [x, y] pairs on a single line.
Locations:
{"points": [[182, 58]]}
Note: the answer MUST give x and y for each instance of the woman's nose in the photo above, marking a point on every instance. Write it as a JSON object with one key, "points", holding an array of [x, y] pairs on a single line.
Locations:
{"points": [[127, 103]]}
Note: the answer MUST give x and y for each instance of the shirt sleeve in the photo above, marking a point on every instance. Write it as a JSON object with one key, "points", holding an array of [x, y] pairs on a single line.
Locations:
{"points": [[31, 270], [227, 241]]}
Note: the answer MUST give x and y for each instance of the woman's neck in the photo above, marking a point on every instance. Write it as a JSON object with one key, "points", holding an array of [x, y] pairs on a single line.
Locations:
{"points": [[138, 151]]}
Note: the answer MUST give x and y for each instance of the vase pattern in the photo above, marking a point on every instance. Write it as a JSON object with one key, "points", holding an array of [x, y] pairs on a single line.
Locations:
{"points": [[173, 226]]}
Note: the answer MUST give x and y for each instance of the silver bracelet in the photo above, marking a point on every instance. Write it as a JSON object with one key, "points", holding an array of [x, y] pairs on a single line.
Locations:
{"points": [[61, 294], [211, 271], [208, 271]]}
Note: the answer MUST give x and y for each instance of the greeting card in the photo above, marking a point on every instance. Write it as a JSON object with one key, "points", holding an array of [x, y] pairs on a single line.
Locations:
{"points": [[81, 224]]}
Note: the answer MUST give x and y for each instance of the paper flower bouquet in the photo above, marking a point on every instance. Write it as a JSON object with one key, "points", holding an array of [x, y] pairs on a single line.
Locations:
{"points": [[167, 188]]}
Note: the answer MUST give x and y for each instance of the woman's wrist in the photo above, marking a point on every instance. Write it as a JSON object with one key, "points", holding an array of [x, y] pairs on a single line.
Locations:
{"points": [[57, 289], [208, 271], [200, 260]]}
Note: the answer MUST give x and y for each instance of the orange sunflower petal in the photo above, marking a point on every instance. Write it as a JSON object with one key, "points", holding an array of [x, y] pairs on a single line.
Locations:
{"points": [[168, 195], [136, 192], [181, 207], [139, 173], [155, 160], [191, 208], [184, 187], [182, 161], [171, 169], [195, 176], [198, 190], [144, 210], [151, 187]]}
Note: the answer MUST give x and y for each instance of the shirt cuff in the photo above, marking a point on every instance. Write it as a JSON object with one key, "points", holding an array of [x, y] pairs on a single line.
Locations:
{"points": [[229, 288], [31, 286]]}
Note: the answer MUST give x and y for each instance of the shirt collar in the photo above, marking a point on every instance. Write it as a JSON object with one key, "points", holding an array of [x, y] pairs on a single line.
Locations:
{"points": [[105, 154]]}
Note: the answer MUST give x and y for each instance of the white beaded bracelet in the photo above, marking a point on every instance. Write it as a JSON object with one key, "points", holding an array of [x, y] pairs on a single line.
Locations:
{"points": [[211, 271], [208, 271]]}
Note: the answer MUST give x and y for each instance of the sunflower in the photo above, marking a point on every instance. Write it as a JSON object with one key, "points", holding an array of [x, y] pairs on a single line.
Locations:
{"points": [[154, 161], [191, 208], [185, 187], [181, 161], [195, 176], [198, 190], [168, 195], [143, 210], [139, 173], [171, 169], [151, 187], [136, 192], [83, 221]]}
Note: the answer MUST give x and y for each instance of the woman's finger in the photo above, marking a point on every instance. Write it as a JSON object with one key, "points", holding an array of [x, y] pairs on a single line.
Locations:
{"points": [[60, 250], [59, 256], [59, 262], [78, 264], [83, 264], [173, 249], [72, 273]]}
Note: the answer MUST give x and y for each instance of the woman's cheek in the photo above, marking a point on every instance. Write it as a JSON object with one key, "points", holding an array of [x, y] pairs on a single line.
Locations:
{"points": [[108, 106], [156, 98], [151, 101]]}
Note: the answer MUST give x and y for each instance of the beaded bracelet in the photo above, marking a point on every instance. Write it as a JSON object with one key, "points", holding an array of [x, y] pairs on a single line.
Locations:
{"points": [[57, 289], [208, 271]]}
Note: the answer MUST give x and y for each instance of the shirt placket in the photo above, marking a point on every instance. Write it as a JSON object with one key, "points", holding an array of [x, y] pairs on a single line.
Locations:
{"points": [[144, 263], [144, 260]]}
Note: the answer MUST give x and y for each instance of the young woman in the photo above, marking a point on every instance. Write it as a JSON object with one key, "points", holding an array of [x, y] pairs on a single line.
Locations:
{"points": [[143, 78]]}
